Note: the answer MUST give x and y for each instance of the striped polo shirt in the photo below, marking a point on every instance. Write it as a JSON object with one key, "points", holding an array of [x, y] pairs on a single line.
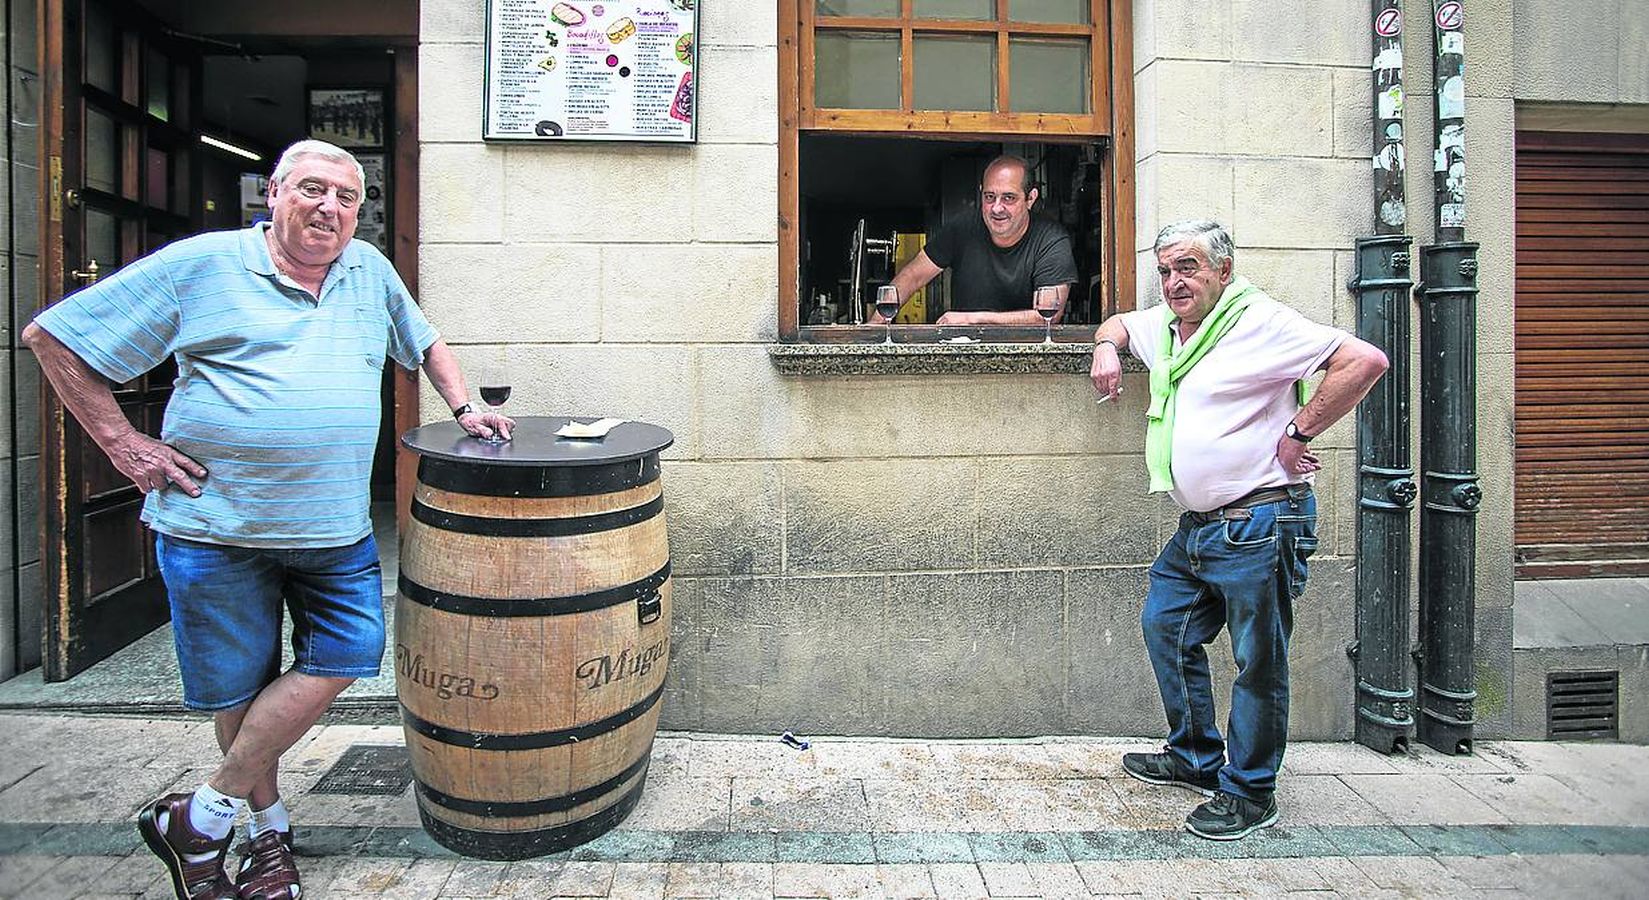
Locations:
{"points": [[278, 395]]}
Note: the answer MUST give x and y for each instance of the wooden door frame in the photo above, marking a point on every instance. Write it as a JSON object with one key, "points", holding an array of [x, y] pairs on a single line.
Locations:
{"points": [[404, 222], [54, 437]]}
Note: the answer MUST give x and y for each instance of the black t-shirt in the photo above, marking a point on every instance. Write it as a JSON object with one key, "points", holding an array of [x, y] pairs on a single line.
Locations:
{"points": [[986, 277]]}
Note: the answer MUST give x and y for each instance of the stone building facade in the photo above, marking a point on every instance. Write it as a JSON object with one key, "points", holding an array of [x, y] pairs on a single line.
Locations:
{"points": [[952, 554]]}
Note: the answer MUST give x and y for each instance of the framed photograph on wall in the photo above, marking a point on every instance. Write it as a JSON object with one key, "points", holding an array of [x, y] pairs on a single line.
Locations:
{"points": [[348, 117], [372, 225]]}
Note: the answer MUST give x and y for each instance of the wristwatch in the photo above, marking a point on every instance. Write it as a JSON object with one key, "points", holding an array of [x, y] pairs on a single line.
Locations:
{"points": [[1293, 431], [463, 411]]}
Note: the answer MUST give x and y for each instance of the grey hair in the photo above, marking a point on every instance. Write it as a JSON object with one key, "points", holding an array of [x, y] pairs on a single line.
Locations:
{"points": [[1214, 241], [291, 155]]}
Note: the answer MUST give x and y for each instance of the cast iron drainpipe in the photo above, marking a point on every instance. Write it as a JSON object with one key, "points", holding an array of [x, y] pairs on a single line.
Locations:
{"points": [[1385, 471], [1449, 490]]}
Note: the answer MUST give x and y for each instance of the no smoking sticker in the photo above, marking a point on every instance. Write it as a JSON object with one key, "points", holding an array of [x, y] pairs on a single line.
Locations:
{"points": [[1449, 16], [1389, 23]]}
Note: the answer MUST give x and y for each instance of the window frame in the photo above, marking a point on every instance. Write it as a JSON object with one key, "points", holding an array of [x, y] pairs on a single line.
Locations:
{"points": [[1111, 104]]}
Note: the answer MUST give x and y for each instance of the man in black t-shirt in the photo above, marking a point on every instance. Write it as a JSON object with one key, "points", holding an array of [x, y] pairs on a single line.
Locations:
{"points": [[999, 259]]}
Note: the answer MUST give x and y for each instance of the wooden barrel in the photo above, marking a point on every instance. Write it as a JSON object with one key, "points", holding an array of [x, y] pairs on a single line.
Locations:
{"points": [[532, 633]]}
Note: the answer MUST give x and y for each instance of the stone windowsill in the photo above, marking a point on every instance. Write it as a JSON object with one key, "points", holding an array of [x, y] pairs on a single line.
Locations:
{"points": [[984, 358]]}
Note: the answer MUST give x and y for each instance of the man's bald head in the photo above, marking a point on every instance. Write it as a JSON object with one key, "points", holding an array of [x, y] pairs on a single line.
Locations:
{"points": [[1011, 163]]}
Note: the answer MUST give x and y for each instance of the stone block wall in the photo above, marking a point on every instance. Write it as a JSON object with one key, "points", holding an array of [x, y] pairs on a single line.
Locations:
{"points": [[941, 555], [20, 609]]}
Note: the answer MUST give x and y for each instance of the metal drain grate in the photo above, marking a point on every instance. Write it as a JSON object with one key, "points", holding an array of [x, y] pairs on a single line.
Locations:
{"points": [[367, 769], [1581, 705]]}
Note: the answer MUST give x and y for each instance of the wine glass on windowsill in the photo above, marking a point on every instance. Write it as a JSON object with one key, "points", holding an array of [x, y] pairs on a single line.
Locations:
{"points": [[887, 306], [1047, 302]]}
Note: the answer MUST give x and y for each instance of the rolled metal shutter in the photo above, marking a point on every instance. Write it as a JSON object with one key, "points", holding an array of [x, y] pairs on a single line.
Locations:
{"points": [[1582, 365]]}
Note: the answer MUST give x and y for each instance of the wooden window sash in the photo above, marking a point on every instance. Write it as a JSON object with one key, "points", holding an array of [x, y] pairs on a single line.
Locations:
{"points": [[908, 120]]}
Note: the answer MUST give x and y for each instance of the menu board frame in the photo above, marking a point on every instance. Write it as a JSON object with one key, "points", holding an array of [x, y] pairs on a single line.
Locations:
{"points": [[549, 39]]}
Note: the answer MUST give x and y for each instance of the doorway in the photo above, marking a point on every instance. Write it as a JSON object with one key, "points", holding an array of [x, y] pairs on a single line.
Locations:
{"points": [[159, 120]]}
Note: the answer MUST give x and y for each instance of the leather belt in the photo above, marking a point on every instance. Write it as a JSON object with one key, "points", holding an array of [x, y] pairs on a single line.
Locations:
{"points": [[1240, 507]]}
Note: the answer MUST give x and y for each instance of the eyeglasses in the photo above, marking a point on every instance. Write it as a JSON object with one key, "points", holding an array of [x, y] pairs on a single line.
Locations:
{"points": [[1008, 198], [315, 190]]}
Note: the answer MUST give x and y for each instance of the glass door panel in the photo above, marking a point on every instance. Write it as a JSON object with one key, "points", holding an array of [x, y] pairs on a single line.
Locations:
{"points": [[157, 83]]}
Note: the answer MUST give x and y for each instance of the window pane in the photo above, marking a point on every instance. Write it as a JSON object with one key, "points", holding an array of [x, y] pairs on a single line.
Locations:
{"points": [[955, 73], [102, 51], [180, 89], [102, 152], [885, 8], [103, 240], [1049, 76], [955, 9], [856, 70], [1069, 11], [159, 86], [160, 178]]}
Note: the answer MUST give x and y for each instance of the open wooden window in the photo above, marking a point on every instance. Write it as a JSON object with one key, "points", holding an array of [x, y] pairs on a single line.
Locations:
{"points": [[889, 109]]}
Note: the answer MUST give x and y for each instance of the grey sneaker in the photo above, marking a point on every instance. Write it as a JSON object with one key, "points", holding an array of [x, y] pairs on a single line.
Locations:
{"points": [[1228, 817], [1162, 768]]}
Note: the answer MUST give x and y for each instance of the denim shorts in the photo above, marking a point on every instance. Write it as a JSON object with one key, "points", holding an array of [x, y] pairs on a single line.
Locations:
{"points": [[226, 614]]}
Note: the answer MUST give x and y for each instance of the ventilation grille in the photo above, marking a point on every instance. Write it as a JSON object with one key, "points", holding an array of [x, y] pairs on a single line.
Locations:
{"points": [[1582, 705], [367, 769]]}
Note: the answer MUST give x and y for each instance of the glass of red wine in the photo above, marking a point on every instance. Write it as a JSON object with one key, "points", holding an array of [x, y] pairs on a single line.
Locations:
{"points": [[1046, 301], [494, 396], [887, 306]]}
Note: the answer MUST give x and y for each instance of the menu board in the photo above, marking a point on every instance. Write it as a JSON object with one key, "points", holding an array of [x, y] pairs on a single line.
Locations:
{"points": [[590, 70]]}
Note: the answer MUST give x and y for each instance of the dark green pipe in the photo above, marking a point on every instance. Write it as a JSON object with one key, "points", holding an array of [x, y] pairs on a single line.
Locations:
{"points": [[1385, 495], [1449, 494]]}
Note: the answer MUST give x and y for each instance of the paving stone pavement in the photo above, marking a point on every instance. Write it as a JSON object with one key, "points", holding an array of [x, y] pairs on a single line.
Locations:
{"points": [[750, 817]]}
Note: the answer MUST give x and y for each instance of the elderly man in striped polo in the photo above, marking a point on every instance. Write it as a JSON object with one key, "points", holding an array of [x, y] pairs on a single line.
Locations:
{"points": [[258, 490]]}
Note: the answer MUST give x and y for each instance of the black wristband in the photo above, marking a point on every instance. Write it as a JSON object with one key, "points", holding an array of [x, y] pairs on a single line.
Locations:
{"points": [[463, 411], [1108, 341]]}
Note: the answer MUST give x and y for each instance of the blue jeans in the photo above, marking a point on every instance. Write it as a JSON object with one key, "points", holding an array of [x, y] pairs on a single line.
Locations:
{"points": [[226, 614], [1244, 575]]}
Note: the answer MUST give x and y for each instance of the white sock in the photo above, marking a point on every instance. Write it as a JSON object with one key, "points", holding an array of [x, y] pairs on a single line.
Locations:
{"points": [[212, 813], [273, 818]]}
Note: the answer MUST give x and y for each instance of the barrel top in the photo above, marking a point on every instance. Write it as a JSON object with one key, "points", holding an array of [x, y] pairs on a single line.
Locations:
{"points": [[534, 442]]}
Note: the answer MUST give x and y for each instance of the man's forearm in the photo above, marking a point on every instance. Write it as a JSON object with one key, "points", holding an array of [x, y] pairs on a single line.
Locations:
{"points": [[1010, 317], [85, 392], [444, 373], [1352, 372], [1112, 330]]}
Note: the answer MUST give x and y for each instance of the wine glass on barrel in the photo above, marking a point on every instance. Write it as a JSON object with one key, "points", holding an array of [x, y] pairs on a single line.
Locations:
{"points": [[887, 306], [1047, 303], [494, 395]]}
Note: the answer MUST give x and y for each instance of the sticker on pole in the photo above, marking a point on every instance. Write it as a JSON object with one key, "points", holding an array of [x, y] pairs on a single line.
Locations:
{"points": [[1389, 23], [1449, 16]]}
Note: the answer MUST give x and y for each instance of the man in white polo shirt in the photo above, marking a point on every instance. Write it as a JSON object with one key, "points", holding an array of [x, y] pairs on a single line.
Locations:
{"points": [[1227, 437], [258, 489]]}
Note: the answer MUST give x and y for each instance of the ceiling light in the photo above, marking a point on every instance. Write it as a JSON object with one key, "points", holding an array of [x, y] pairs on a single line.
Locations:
{"points": [[210, 141]]}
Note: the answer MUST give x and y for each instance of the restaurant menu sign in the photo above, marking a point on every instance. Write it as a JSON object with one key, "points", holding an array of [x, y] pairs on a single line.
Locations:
{"points": [[590, 70]]}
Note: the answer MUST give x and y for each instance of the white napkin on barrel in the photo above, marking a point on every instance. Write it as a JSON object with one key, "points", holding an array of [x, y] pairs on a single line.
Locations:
{"points": [[596, 429]]}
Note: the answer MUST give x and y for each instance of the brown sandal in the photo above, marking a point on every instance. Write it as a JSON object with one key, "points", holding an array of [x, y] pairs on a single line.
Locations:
{"points": [[204, 880], [267, 871]]}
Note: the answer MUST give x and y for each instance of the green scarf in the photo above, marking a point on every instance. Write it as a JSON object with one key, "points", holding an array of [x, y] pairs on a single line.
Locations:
{"points": [[1171, 367]]}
